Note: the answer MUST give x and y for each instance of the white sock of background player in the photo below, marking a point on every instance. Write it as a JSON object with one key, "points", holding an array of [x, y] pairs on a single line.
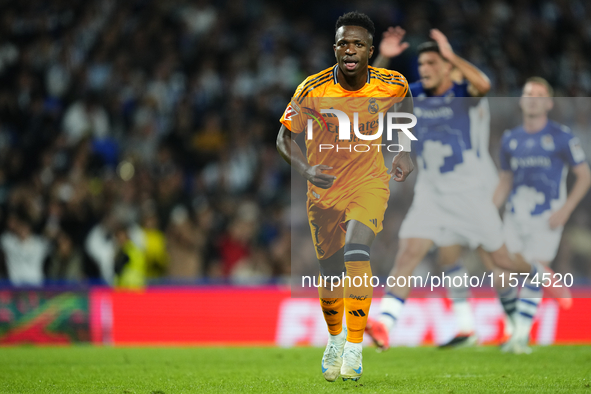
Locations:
{"points": [[530, 296], [459, 297], [391, 307], [508, 298]]}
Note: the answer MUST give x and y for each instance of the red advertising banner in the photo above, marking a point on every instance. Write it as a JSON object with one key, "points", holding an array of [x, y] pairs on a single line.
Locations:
{"points": [[209, 316], [269, 316]]}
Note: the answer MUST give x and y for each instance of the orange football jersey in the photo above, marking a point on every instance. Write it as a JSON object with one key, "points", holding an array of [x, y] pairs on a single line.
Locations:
{"points": [[353, 160]]}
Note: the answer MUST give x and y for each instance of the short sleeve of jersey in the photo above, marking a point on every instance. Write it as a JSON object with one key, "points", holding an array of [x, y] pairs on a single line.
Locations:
{"points": [[293, 111], [400, 89], [395, 83], [505, 154], [416, 88], [571, 149]]}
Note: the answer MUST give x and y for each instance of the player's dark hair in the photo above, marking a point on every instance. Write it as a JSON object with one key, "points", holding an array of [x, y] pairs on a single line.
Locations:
{"points": [[429, 46], [355, 18]]}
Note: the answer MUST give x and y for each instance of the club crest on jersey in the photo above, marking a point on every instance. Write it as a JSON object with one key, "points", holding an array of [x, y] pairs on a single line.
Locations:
{"points": [[373, 106], [548, 143]]}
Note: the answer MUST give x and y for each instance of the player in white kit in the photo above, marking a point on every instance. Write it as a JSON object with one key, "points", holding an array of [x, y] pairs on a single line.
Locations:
{"points": [[535, 158], [452, 203]]}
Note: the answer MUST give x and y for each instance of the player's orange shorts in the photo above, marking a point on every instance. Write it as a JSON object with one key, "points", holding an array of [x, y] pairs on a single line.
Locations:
{"points": [[366, 204]]}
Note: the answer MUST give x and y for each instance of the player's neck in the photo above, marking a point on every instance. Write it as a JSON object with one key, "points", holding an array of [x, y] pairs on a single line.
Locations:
{"points": [[354, 82], [534, 124], [443, 87]]}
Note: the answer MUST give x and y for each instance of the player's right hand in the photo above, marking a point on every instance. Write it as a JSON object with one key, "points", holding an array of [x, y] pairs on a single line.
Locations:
{"points": [[391, 44], [402, 166], [316, 177], [444, 46]]}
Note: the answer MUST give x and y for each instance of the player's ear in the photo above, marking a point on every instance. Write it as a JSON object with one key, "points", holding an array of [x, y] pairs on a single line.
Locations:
{"points": [[334, 48], [371, 48]]}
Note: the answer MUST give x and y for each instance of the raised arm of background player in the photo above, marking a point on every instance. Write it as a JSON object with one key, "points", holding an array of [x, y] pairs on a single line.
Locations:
{"points": [[560, 217], [392, 46], [402, 164]]}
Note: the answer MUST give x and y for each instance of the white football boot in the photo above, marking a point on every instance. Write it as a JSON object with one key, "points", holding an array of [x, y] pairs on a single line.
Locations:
{"points": [[518, 343], [352, 361], [332, 359]]}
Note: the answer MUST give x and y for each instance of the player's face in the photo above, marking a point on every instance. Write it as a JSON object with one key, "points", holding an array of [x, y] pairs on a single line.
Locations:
{"points": [[535, 99], [433, 70], [353, 49]]}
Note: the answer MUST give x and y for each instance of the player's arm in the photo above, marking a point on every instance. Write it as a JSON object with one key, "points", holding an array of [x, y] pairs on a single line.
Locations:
{"points": [[503, 188], [580, 188], [291, 153], [390, 46], [478, 82], [402, 164]]}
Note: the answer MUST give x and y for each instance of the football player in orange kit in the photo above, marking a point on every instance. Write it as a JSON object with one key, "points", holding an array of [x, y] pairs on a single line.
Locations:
{"points": [[348, 186]]}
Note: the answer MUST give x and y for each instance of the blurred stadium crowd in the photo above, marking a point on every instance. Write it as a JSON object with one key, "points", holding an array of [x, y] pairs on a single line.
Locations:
{"points": [[150, 125]]}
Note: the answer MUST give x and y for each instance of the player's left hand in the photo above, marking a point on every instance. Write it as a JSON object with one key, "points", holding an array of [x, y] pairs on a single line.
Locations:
{"points": [[402, 166], [444, 46], [559, 218]]}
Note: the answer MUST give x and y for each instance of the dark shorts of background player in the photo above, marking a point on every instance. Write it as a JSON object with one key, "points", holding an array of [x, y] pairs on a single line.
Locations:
{"points": [[366, 204]]}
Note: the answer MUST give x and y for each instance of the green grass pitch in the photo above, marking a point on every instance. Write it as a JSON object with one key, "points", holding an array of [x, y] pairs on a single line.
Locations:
{"points": [[88, 370]]}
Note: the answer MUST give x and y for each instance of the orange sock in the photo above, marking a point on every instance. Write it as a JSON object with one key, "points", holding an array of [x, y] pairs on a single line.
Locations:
{"points": [[333, 310], [358, 294]]}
